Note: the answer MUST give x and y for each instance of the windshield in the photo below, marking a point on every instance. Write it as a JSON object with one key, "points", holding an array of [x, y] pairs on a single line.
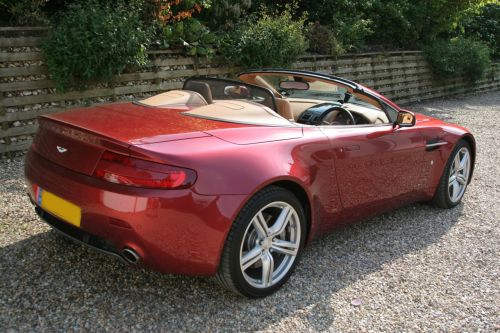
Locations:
{"points": [[307, 87], [315, 89]]}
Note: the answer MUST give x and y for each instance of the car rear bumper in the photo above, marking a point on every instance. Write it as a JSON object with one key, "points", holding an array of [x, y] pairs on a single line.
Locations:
{"points": [[173, 231], [77, 234]]}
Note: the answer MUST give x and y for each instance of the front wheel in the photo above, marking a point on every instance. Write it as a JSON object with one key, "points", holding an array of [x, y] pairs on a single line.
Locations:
{"points": [[264, 244], [455, 179]]}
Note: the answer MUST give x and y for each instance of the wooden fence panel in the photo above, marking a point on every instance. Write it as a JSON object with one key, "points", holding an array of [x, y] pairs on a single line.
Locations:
{"points": [[27, 92]]}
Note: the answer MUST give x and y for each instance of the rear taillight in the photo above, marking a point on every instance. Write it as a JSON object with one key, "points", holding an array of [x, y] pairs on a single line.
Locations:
{"points": [[125, 170]]}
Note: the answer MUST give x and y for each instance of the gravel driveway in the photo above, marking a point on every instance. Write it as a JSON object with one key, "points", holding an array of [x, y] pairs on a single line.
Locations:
{"points": [[415, 269]]}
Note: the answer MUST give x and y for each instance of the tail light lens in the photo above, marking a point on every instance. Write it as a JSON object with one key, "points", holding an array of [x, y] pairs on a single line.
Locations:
{"points": [[125, 170]]}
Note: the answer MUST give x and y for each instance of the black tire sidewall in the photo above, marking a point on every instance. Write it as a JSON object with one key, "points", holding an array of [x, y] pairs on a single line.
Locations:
{"points": [[240, 226]]}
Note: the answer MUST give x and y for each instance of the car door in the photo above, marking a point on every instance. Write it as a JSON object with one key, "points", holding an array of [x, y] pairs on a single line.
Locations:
{"points": [[377, 167]]}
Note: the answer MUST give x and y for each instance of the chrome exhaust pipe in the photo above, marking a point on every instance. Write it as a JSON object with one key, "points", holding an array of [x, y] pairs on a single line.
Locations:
{"points": [[131, 256]]}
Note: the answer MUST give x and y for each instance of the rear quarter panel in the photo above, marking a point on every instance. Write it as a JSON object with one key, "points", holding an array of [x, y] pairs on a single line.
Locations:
{"points": [[244, 169]]}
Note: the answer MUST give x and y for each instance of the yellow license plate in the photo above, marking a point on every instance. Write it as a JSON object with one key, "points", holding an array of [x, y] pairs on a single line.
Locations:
{"points": [[59, 207]]}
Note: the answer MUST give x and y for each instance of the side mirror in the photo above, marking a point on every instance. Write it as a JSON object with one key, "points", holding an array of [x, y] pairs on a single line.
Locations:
{"points": [[405, 119]]}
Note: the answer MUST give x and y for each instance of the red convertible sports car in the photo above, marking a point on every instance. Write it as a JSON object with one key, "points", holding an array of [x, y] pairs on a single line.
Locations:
{"points": [[232, 178]]}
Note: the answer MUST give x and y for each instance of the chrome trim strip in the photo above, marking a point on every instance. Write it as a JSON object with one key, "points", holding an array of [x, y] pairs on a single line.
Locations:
{"points": [[436, 144]]}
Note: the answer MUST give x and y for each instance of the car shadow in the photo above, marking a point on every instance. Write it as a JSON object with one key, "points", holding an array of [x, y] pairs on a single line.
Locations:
{"points": [[51, 283]]}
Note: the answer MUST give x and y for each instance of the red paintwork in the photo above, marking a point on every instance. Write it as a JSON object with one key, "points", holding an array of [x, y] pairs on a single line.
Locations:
{"points": [[137, 124], [347, 173]]}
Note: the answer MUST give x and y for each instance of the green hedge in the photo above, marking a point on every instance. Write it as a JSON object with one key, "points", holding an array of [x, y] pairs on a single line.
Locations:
{"points": [[459, 57], [267, 41], [92, 42]]}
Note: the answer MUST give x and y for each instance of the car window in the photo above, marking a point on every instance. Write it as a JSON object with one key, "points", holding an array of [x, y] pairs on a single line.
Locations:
{"points": [[318, 89], [391, 112], [327, 91], [365, 101], [365, 108]]}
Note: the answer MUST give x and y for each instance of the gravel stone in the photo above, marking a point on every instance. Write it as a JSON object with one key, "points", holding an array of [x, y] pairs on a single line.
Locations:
{"points": [[418, 268]]}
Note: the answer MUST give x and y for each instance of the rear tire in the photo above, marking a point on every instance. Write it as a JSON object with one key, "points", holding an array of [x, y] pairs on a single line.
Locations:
{"points": [[455, 178], [264, 244]]}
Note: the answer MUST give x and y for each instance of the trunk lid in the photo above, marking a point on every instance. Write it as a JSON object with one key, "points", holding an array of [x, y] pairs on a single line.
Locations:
{"points": [[71, 147], [76, 139], [138, 124]]}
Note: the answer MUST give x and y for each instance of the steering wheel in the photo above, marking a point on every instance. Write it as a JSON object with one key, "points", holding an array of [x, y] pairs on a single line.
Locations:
{"points": [[343, 113]]}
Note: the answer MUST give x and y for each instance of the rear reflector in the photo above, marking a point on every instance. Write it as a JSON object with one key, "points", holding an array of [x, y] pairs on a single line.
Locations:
{"points": [[125, 170]]}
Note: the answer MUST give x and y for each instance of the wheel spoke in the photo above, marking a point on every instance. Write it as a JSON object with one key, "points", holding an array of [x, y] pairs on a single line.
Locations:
{"points": [[461, 179], [464, 160], [456, 162], [251, 257], [281, 221], [285, 247], [267, 269], [452, 179], [260, 225], [456, 190]]}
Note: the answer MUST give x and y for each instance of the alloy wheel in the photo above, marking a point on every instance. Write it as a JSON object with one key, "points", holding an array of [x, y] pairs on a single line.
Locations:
{"points": [[459, 175], [270, 245]]}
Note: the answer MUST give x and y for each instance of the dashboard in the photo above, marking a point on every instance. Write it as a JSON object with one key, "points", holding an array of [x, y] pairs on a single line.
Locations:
{"points": [[315, 114], [336, 113]]}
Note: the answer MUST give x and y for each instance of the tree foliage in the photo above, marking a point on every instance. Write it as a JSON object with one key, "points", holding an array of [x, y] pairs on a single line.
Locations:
{"points": [[266, 40], [459, 57], [253, 32], [23, 12], [485, 26], [92, 42], [191, 35], [224, 14], [322, 40]]}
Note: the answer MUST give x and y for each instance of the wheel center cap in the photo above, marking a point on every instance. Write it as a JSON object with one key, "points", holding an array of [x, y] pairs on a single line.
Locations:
{"points": [[266, 243]]}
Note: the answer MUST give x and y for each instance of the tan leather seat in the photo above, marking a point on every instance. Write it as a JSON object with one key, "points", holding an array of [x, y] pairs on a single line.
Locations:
{"points": [[284, 109], [201, 88], [175, 97], [239, 111]]}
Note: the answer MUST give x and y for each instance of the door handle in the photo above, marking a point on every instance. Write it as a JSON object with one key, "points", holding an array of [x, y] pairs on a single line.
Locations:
{"points": [[434, 144], [350, 148]]}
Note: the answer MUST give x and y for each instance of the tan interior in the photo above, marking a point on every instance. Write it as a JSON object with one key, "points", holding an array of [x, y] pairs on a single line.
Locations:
{"points": [[288, 109], [258, 81], [285, 109], [299, 105], [292, 108], [372, 116], [239, 112], [175, 97]]}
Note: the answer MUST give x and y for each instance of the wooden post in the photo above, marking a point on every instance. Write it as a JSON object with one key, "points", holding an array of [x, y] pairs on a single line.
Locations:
{"points": [[156, 69], [196, 64], [5, 124]]}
